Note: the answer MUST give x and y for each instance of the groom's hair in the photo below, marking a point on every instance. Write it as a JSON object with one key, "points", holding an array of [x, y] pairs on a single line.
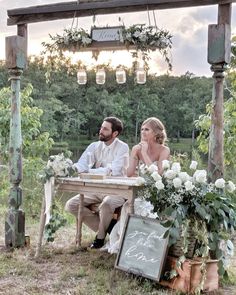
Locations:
{"points": [[116, 124]]}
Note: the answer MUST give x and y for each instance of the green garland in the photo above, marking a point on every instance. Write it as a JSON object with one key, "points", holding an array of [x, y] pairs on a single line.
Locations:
{"points": [[143, 38]]}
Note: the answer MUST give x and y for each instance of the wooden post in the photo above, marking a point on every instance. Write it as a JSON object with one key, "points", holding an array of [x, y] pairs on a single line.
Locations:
{"points": [[219, 37], [15, 219]]}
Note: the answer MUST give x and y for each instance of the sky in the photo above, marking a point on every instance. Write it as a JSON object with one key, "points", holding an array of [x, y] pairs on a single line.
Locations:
{"points": [[189, 27]]}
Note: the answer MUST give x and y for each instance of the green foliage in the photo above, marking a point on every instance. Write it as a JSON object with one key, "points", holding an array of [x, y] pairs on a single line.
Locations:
{"points": [[204, 122], [32, 186], [56, 221], [35, 142], [71, 110], [182, 202], [5, 185]]}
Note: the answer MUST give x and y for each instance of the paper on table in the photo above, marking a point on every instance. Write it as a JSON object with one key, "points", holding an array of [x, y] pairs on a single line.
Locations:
{"points": [[92, 176]]}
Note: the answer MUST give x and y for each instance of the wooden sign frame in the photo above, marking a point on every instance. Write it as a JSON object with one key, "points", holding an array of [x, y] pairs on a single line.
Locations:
{"points": [[143, 249], [107, 34]]}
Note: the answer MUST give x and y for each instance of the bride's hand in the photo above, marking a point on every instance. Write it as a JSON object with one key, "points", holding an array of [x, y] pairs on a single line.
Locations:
{"points": [[143, 147]]}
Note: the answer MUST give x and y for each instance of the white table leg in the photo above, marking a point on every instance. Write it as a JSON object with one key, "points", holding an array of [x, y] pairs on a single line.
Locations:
{"points": [[41, 229], [131, 201], [79, 221]]}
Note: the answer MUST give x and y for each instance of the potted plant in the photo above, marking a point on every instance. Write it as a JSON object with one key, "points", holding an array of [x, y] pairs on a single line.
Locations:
{"points": [[186, 201]]}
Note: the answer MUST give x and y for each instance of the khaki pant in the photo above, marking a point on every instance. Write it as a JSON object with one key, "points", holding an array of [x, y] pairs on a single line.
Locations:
{"points": [[97, 212]]}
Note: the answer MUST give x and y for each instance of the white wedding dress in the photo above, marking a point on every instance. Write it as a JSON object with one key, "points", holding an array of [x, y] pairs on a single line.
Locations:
{"points": [[142, 208]]}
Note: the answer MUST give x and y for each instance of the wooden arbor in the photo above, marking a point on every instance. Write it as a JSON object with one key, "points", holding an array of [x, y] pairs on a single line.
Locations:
{"points": [[16, 55]]}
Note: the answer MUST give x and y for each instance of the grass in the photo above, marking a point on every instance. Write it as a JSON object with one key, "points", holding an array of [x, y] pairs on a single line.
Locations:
{"points": [[183, 146], [64, 269]]}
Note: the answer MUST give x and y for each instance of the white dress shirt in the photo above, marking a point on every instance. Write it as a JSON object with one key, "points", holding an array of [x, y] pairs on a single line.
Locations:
{"points": [[104, 159]]}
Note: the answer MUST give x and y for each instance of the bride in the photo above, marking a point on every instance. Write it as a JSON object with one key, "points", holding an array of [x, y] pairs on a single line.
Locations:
{"points": [[150, 150]]}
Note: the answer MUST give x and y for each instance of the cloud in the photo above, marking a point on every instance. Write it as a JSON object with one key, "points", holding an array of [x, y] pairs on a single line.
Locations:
{"points": [[187, 25]]}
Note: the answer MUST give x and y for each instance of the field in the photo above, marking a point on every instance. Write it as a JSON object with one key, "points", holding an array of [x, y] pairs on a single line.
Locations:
{"points": [[63, 269]]}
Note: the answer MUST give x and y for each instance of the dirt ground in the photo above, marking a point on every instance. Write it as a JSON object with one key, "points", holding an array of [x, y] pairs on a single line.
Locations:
{"points": [[63, 269]]}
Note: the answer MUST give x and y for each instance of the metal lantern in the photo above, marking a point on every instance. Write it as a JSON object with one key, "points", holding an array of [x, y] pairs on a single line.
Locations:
{"points": [[120, 76], [100, 76], [81, 77], [141, 76]]}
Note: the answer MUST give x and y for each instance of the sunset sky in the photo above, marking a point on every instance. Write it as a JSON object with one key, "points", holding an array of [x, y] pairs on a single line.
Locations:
{"points": [[188, 26]]}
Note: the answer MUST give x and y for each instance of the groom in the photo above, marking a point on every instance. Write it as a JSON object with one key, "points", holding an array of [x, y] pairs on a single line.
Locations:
{"points": [[106, 156]]}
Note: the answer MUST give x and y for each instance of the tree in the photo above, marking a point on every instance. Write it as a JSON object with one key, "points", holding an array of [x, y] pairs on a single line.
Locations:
{"points": [[204, 121], [35, 142]]}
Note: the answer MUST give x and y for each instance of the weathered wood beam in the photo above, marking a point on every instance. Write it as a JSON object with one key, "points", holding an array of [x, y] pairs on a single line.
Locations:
{"points": [[15, 218], [65, 10], [104, 46], [219, 57]]}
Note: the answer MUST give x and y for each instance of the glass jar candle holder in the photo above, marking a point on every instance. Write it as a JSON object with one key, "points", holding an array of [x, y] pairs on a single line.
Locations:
{"points": [[100, 76], [81, 77], [120, 76], [141, 76]]}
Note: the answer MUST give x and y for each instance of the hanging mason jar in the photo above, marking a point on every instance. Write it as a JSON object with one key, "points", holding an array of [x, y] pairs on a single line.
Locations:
{"points": [[82, 77], [141, 76], [120, 76], [100, 76]]}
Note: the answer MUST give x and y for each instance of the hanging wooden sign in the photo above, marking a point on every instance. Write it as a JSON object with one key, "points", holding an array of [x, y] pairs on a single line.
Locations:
{"points": [[106, 34]]}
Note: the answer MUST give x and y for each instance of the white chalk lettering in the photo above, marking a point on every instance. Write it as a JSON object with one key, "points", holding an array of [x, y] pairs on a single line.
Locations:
{"points": [[133, 252]]}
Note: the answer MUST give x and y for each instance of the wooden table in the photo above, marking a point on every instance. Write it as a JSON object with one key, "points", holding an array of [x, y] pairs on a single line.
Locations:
{"points": [[112, 186]]}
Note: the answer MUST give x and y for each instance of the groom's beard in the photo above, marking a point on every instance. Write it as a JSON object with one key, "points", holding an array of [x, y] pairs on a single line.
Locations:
{"points": [[105, 138]]}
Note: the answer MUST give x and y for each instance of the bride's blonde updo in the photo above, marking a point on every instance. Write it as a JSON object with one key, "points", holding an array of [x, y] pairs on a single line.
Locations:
{"points": [[158, 128]]}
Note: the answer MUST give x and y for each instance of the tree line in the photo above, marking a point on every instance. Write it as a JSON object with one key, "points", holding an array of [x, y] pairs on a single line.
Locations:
{"points": [[71, 110]]}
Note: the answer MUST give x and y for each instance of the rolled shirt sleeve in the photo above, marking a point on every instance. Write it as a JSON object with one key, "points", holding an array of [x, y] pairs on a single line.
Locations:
{"points": [[82, 165]]}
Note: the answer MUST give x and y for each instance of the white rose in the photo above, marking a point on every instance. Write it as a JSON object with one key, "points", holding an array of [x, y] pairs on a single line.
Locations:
{"points": [[184, 176], [170, 174], [140, 181], [176, 167], [177, 182], [66, 39], [165, 164], [128, 36], [200, 176], [143, 37], [136, 34], [86, 40], [156, 176], [220, 183], [193, 165], [159, 185], [230, 186], [143, 168], [188, 185], [152, 168]]}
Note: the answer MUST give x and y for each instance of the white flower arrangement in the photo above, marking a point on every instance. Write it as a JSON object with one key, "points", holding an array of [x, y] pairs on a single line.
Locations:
{"points": [[141, 37], [57, 166], [180, 199], [71, 39]]}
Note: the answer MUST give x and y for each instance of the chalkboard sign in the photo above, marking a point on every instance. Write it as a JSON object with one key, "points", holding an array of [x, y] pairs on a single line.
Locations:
{"points": [[143, 248]]}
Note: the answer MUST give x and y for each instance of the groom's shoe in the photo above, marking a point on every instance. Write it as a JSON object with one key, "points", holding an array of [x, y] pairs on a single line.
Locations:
{"points": [[97, 243]]}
